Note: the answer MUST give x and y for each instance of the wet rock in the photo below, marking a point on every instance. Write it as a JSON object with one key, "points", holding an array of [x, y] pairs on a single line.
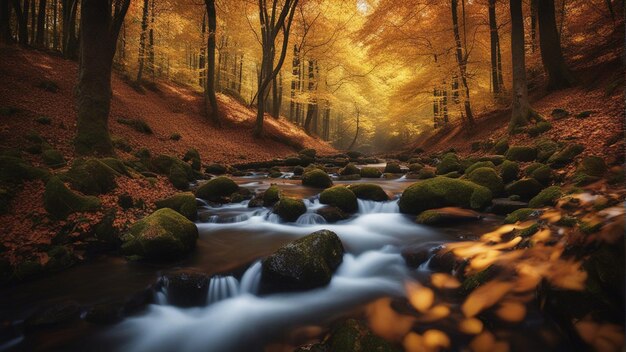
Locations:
{"points": [[487, 177], [105, 313], [290, 209], [306, 263], [332, 214], [416, 255], [440, 192], [271, 196], [521, 153], [55, 315], [447, 216], [217, 189], [183, 203], [185, 288], [509, 171], [350, 169], [216, 169], [165, 234], [370, 172], [340, 197], [316, 178], [369, 191], [449, 163], [350, 178], [521, 214], [546, 197], [59, 258], [59, 201], [393, 168], [504, 206], [525, 188]]}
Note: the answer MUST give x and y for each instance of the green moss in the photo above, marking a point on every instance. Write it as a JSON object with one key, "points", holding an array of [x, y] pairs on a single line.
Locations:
{"points": [[415, 167], [539, 128], [546, 197], [502, 145], [528, 231], [446, 216], [521, 153], [370, 172], [616, 175], [350, 169], [136, 124], [519, 215], [59, 201], [509, 171], [567, 221], [341, 197], [117, 165], [581, 179], [453, 174], [178, 177], [471, 282], [526, 188], [540, 172], [369, 191], [216, 169], [449, 163], [565, 155], [59, 258], [353, 336], [316, 178], [486, 176], [121, 143], [495, 159], [15, 170], [593, 166], [426, 173], [91, 176], [393, 167], [479, 164], [217, 189], [44, 120], [183, 203], [162, 164], [290, 209], [545, 149], [164, 234], [441, 192], [298, 170], [192, 155], [332, 214], [310, 152], [271, 196], [53, 158]]}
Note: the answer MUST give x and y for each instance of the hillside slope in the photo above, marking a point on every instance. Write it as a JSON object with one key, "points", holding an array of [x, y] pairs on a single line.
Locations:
{"points": [[27, 77]]}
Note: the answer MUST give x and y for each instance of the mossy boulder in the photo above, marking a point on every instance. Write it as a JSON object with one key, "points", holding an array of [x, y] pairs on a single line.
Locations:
{"points": [[426, 173], [545, 149], [539, 128], [369, 191], [340, 197], [415, 167], [479, 164], [521, 153], [178, 177], [593, 166], [353, 336], [546, 197], [306, 263], [525, 188], [488, 177], [53, 158], [565, 155], [15, 170], [164, 234], [117, 165], [162, 164], [216, 169], [60, 201], [522, 214], [184, 203], [185, 288], [193, 156], [509, 171], [289, 209], [449, 163], [501, 146], [447, 216], [505, 206], [293, 161], [540, 172], [393, 167], [59, 258], [495, 159], [441, 192], [316, 178], [298, 170], [309, 152], [271, 195], [332, 214], [91, 176], [350, 169], [217, 189], [370, 172]]}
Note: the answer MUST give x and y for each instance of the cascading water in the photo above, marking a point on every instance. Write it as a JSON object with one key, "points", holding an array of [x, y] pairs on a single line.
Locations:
{"points": [[222, 287]]}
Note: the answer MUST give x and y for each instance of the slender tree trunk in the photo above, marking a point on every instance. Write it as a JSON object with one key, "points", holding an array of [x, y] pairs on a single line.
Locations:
{"points": [[142, 40], [69, 40], [295, 66], [493, 30], [309, 125], [209, 89], [21, 13], [533, 24], [202, 51], [559, 76], [151, 62], [275, 103], [5, 21], [41, 22], [356, 133], [436, 108], [240, 74], [500, 78], [55, 21], [462, 62], [33, 22], [100, 26]]}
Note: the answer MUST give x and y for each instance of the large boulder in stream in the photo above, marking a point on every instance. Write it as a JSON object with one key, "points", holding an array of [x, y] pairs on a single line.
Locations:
{"points": [[290, 209], [442, 192], [306, 263], [184, 203], [340, 197], [164, 234], [217, 189], [316, 178], [369, 191], [185, 288], [447, 216]]}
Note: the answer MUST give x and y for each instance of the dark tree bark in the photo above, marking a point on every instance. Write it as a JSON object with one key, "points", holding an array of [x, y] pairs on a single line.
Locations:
{"points": [[41, 23], [55, 21], [272, 23], [461, 59], [33, 22], [533, 24], [559, 76], [436, 107], [70, 42], [494, 40], [142, 40], [240, 74], [21, 14], [100, 26], [5, 21], [310, 126], [209, 88], [295, 68], [151, 63], [202, 51], [356, 133]]}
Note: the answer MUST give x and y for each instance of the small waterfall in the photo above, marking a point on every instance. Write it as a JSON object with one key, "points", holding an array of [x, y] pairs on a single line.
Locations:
{"points": [[237, 218], [310, 219], [251, 279], [213, 219], [273, 218], [222, 287], [371, 207]]}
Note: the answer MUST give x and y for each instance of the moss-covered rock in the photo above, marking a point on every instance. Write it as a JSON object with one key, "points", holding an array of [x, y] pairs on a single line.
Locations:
{"points": [[178, 177], [488, 177], [441, 192], [354, 336], [316, 178], [290, 209], [310, 152], [546, 197], [298, 170], [495, 159], [193, 156], [370, 172], [505, 206], [521, 153], [426, 173], [216, 169], [369, 191], [449, 163], [565, 155], [525, 188], [59, 258], [393, 167], [415, 167], [91, 176], [479, 164], [616, 175], [447, 216], [539, 128], [217, 189], [165, 234], [545, 149], [162, 164], [332, 214], [184, 203], [59, 201], [509, 171], [593, 166], [501, 146], [138, 125], [53, 158], [271, 196], [350, 169], [306, 263], [117, 165], [540, 172], [341, 197], [15, 170]]}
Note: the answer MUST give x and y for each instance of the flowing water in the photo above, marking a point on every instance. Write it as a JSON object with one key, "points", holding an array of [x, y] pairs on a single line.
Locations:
{"points": [[233, 239]]}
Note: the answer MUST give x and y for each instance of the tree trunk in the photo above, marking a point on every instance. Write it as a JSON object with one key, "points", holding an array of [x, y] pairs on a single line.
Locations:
{"points": [[559, 76], [520, 109], [295, 68], [69, 40], [41, 22], [55, 21], [240, 74], [21, 14], [151, 64], [275, 103], [142, 40], [533, 24], [209, 88], [309, 126], [356, 133], [461, 59], [493, 30], [98, 40], [5, 21], [33, 22], [202, 51], [436, 108]]}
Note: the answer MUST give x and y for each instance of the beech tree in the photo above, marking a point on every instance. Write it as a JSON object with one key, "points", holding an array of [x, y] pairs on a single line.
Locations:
{"points": [[209, 87], [100, 23], [559, 76]]}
